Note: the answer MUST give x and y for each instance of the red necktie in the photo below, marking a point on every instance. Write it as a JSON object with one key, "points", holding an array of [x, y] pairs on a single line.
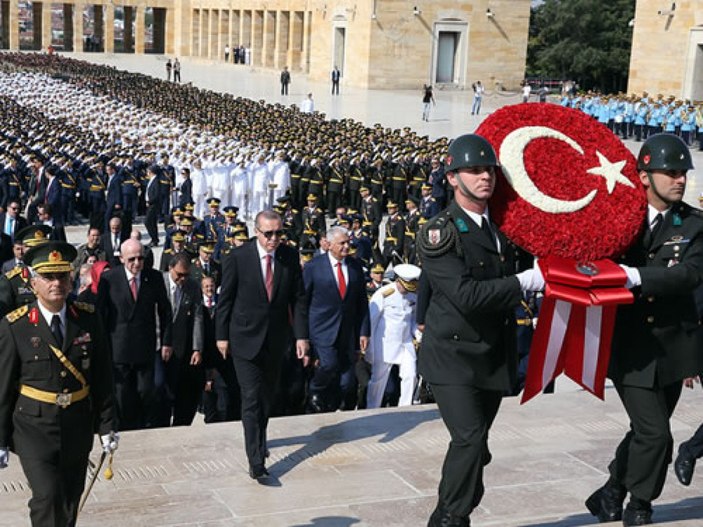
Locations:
{"points": [[269, 277], [209, 301], [133, 287], [340, 281]]}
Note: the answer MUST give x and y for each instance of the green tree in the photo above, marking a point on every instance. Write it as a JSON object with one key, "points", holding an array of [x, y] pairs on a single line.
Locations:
{"points": [[587, 41]]}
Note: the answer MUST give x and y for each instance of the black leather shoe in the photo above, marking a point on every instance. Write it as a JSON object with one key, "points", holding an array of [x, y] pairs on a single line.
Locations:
{"points": [[606, 504], [443, 518], [636, 517], [683, 467], [258, 472], [316, 405]]}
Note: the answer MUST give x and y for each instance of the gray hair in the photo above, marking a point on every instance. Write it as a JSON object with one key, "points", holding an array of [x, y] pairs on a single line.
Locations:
{"points": [[334, 231]]}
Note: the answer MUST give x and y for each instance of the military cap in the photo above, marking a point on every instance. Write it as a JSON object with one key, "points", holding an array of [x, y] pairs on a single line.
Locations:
{"points": [[178, 236], [378, 268], [364, 189], [241, 236], [187, 222], [231, 211], [412, 199], [240, 228], [189, 206], [408, 275], [214, 202], [51, 257], [283, 200], [33, 235], [426, 186], [177, 211], [391, 205], [207, 246], [312, 197]]}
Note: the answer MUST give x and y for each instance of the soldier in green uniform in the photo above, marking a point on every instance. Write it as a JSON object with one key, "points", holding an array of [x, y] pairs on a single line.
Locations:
{"points": [[469, 351], [658, 339], [15, 288], [205, 265], [55, 388]]}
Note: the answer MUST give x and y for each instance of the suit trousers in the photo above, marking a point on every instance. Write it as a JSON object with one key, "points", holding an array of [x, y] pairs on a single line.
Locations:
{"points": [[334, 380], [151, 222], [57, 486], [642, 457], [258, 379], [468, 413], [694, 446], [179, 387], [134, 395]]}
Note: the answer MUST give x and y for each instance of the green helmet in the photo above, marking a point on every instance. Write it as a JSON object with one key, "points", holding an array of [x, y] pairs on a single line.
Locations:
{"points": [[470, 150], [664, 152]]}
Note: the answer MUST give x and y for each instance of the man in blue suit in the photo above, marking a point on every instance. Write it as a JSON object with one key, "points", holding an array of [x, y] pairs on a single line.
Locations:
{"points": [[113, 195], [339, 322]]}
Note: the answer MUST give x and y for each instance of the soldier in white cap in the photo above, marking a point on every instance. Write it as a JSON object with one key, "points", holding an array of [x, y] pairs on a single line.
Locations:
{"points": [[393, 328]]}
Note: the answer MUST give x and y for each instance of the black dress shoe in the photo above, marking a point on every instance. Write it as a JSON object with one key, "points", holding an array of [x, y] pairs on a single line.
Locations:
{"points": [[636, 517], [258, 472], [316, 405], [443, 518], [606, 504], [683, 467]]}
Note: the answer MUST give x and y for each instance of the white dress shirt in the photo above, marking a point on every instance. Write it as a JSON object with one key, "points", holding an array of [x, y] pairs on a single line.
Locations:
{"points": [[345, 270]]}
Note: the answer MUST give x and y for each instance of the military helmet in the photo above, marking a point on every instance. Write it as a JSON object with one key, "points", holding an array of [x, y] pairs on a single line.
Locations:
{"points": [[664, 152], [470, 150]]}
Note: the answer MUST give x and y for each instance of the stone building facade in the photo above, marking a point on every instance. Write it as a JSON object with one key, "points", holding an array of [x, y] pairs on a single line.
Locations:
{"points": [[667, 48], [377, 44]]}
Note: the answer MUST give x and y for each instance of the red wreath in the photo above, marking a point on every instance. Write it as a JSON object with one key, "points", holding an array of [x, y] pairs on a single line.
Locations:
{"points": [[607, 226]]}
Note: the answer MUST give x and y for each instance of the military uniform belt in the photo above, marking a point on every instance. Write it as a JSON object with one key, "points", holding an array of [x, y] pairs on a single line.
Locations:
{"points": [[96, 188], [59, 399], [356, 178], [295, 176], [336, 181], [524, 321], [398, 179]]}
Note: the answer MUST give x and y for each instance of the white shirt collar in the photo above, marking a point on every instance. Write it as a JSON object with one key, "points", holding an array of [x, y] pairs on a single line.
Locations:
{"points": [[334, 261], [48, 315], [652, 213], [130, 275], [478, 217], [262, 252]]}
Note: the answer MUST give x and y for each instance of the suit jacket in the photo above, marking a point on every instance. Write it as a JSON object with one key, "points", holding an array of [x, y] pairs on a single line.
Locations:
{"points": [[20, 223], [246, 317], [470, 332], [132, 325], [114, 192], [187, 332], [334, 321], [658, 339], [41, 430], [109, 249]]}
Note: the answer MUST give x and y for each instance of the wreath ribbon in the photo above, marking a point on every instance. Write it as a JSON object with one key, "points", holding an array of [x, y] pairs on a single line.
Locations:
{"points": [[576, 323]]}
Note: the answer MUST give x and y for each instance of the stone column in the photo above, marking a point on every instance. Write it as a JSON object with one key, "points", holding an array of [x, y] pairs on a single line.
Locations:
{"points": [[45, 25], [305, 53], [282, 40], [14, 25], [140, 29], [109, 33]]}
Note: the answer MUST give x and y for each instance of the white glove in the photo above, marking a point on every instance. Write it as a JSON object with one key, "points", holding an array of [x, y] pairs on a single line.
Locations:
{"points": [[532, 279], [110, 442], [633, 276], [4, 457]]}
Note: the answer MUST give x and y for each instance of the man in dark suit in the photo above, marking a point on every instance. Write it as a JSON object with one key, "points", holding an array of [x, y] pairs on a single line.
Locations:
{"points": [[469, 350], [658, 340], [113, 193], [261, 287], [128, 298], [52, 194], [153, 205], [45, 216], [10, 221], [111, 242], [55, 388], [180, 378], [335, 288]]}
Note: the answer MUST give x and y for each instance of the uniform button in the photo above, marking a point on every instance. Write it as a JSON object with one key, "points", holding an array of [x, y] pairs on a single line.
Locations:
{"points": [[651, 256], [65, 390], [650, 299], [677, 248], [36, 357], [480, 264], [650, 319], [63, 373], [502, 258], [455, 337]]}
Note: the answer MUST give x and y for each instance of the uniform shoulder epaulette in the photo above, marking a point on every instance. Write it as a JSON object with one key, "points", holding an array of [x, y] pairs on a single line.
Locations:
{"points": [[295, 211], [13, 272], [318, 210], [14, 316], [168, 251], [85, 306], [438, 236], [388, 291]]}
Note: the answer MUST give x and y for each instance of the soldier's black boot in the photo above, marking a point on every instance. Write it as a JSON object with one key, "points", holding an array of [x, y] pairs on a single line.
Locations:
{"points": [[637, 512], [441, 517], [606, 503]]}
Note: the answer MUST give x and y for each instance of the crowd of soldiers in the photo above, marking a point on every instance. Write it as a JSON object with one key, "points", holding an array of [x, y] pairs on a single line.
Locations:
{"points": [[641, 116]]}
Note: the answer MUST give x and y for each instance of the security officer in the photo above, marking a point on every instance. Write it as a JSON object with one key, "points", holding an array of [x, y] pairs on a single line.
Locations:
{"points": [[657, 340], [15, 288], [468, 353], [56, 388]]}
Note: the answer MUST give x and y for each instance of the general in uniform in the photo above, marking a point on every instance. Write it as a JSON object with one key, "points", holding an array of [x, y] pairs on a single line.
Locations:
{"points": [[469, 351], [55, 388], [657, 340]]}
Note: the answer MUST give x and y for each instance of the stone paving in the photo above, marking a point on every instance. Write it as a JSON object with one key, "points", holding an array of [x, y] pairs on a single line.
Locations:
{"points": [[370, 468]]}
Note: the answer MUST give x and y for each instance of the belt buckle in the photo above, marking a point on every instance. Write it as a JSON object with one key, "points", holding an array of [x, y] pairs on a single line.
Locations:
{"points": [[63, 399]]}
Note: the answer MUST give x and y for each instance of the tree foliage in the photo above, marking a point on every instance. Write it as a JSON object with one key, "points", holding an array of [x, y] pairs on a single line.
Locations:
{"points": [[587, 41]]}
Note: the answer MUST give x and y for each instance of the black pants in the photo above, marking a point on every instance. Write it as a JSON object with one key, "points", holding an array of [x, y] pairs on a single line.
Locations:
{"points": [[57, 486], [179, 388], [468, 413], [694, 446], [642, 457], [221, 402], [335, 87], [151, 222], [284, 88], [134, 395], [258, 379]]}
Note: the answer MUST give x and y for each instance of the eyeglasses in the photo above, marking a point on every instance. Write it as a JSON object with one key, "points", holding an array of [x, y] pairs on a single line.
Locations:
{"points": [[133, 259], [270, 234], [13, 208], [182, 275]]}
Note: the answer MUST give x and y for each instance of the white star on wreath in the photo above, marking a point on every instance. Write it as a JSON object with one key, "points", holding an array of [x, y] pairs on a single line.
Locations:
{"points": [[611, 172]]}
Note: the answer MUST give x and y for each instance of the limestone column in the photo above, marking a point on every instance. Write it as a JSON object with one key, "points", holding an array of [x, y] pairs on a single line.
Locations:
{"points": [[140, 30], [109, 40], [78, 27], [14, 25], [45, 25], [304, 55], [277, 37]]}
